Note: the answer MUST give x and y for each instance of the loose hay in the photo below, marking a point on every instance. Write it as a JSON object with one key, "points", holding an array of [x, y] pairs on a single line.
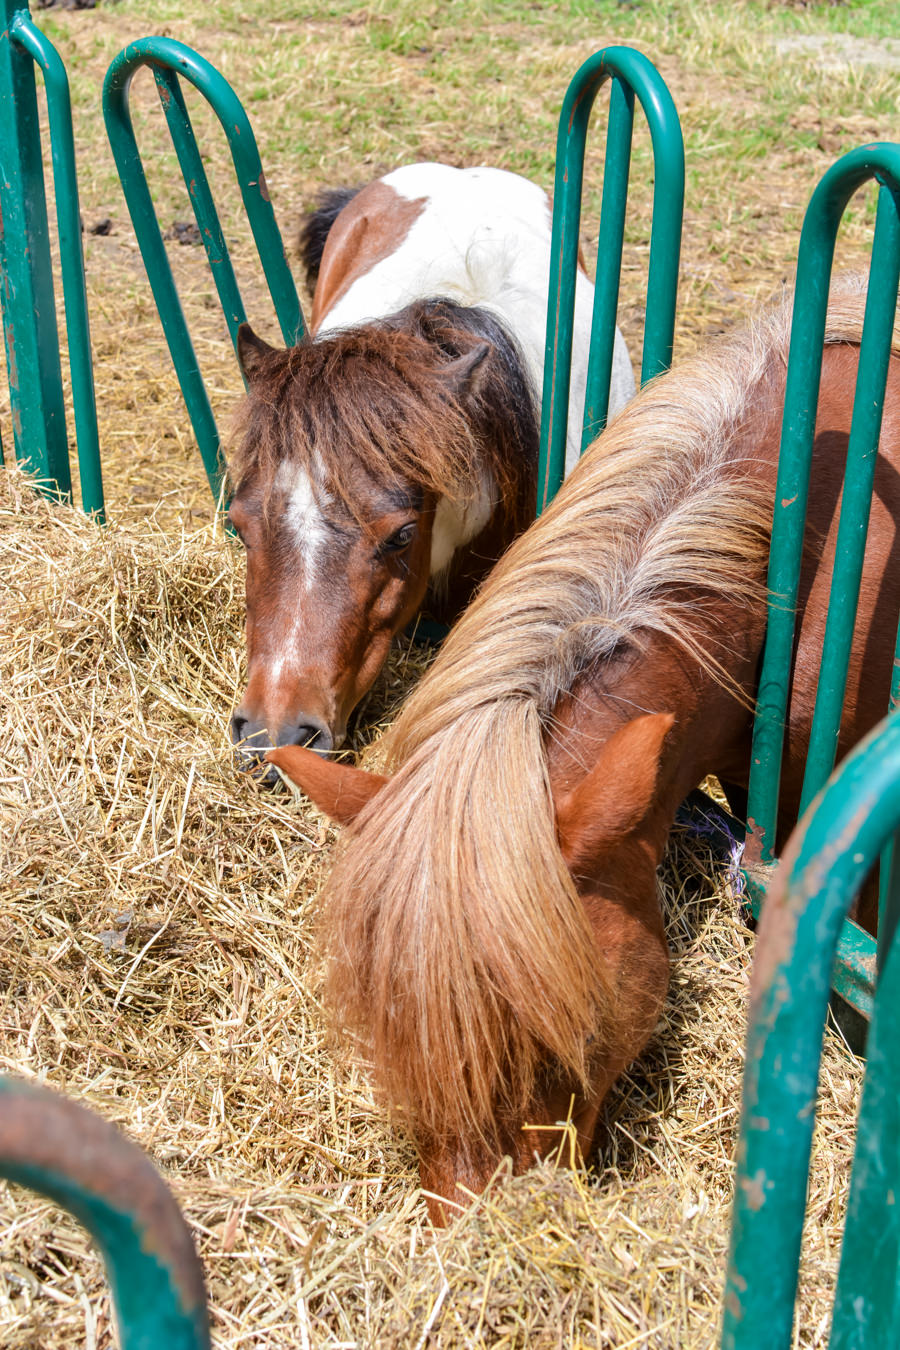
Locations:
{"points": [[156, 918]]}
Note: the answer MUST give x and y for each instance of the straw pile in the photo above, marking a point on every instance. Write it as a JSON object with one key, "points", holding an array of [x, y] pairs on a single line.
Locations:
{"points": [[157, 918]]}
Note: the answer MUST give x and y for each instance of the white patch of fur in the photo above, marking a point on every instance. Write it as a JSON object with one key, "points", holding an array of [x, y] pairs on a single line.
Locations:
{"points": [[458, 523], [483, 239], [303, 518], [306, 525]]}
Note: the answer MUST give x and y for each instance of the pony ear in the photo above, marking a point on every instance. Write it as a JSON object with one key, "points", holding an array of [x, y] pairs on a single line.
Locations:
{"points": [[465, 375], [340, 790], [251, 352], [616, 795]]}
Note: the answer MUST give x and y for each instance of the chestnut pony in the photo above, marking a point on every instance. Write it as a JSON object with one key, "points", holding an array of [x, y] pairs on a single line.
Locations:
{"points": [[495, 941], [394, 453]]}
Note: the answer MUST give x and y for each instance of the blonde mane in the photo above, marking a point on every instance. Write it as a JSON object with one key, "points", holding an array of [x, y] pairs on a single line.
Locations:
{"points": [[461, 958]]}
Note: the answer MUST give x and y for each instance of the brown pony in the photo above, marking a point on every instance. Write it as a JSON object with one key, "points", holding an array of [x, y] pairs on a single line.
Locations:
{"points": [[394, 452], [495, 941]]}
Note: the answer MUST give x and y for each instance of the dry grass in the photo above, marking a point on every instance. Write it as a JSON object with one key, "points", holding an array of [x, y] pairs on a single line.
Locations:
{"points": [[157, 917], [157, 911]]}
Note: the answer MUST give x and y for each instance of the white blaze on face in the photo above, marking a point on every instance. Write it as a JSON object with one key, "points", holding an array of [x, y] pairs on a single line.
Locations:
{"points": [[308, 533], [303, 519]]}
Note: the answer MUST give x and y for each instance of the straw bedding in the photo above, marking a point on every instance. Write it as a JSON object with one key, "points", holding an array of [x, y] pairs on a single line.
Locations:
{"points": [[157, 961]]}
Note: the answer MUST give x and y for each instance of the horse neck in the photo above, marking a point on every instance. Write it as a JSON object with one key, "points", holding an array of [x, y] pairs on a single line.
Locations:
{"points": [[498, 438], [452, 589], [712, 715]]}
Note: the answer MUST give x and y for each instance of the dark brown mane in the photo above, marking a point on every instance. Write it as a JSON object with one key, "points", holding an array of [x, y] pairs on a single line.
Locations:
{"points": [[374, 397]]}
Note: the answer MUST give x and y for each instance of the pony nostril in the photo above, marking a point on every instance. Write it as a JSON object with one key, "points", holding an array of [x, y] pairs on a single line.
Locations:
{"points": [[250, 739], [314, 737]]}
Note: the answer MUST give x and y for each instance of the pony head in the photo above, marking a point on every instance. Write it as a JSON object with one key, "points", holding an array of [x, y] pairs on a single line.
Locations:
{"points": [[490, 1025], [353, 479]]}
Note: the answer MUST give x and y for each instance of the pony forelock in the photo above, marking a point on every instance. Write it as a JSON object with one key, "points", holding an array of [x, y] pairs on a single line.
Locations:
{"points": [[373, 398]]}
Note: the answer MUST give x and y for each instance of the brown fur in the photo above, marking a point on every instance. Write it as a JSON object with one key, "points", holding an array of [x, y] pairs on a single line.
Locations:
{"points": [[371, 227], [494, 939], [377, 389], [391, 424], [619, 553]]}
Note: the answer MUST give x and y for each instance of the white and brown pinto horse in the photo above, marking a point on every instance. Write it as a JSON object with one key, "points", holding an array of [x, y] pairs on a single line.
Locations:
{"points": [[394, 453], [495, 941]]}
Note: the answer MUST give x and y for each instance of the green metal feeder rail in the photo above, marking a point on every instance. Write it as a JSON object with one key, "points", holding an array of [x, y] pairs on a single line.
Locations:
{"points": [[28, 301], [171, 61], [83, 1164], [856, 951], [26, 281], [839, 839], [631, 75]]}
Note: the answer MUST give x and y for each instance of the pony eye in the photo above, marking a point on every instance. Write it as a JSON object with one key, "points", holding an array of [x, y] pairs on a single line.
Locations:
{"points": [[399, 540]]}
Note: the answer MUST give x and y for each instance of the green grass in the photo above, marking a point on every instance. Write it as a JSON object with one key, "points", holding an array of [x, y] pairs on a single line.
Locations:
{"points": [[340, 92]]}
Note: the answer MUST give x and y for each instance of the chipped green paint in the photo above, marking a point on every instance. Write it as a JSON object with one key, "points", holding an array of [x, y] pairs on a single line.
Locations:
{"points": [[866, 1311], [171, 62], [814, 263], [855, 964], [825, 864], [71, 1155], [631, 74]]}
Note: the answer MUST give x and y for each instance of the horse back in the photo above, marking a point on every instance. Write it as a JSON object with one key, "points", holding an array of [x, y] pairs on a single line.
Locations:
{"points": [[429, 230], [371, 227]]}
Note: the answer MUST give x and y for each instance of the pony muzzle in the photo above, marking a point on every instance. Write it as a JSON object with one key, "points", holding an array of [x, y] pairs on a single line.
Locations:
{"points": [[251, 738]]}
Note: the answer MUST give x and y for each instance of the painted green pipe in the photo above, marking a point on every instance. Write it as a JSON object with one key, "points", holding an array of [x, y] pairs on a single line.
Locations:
{"points": [[26, 278], [610, 242], [169, 59], [632, 74], [83, 1164], [814, 264], [68, 216], [824, 867], [859, 478], [188, 153]]}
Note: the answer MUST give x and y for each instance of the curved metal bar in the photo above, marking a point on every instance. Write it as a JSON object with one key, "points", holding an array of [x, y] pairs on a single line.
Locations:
{"points": [[633, 75], [859, 480], [182, 132], [814, 264], [170, 59], [27, 300], [85, 1165], [68, 215], [824, 866]]}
